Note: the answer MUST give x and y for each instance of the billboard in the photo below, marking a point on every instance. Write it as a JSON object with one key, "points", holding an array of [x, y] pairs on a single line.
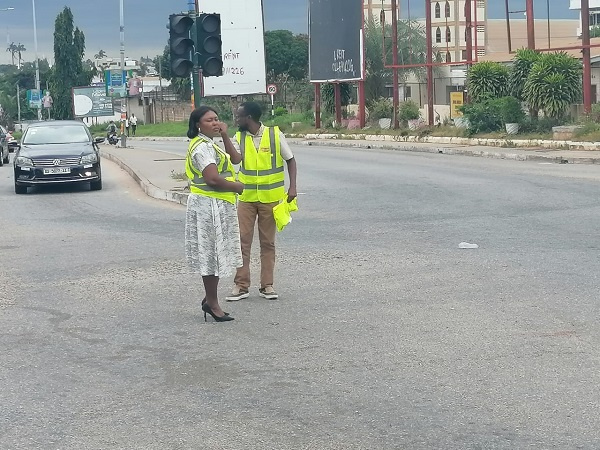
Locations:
{"points": [[91, 101], [335, 40], [34, 99], [242, 33], [116, 83]]}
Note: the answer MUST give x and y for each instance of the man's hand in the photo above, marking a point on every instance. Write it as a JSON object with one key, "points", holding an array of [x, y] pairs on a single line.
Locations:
{"points": [[292, 194], [224, 127]]}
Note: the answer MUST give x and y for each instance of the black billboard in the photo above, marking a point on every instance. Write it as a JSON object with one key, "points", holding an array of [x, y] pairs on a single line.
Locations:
{"points": [[334, 28]]}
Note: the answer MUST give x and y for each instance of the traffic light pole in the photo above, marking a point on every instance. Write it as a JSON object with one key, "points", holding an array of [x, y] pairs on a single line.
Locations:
{"points": [[196, 83]]}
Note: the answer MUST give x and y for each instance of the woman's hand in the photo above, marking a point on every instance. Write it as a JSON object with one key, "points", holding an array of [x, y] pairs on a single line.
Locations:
{"points": [[224, 128]]}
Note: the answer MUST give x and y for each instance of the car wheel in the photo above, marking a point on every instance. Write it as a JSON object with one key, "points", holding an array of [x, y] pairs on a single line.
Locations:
{"points": [[20, 189], [96, 185]]}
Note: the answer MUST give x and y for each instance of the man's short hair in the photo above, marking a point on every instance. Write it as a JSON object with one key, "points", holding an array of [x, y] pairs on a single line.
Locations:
{"points": [[252, 109]]}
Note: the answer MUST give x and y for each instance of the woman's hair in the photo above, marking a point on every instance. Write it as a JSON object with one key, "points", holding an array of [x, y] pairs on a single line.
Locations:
{"points": [[195, 117]]}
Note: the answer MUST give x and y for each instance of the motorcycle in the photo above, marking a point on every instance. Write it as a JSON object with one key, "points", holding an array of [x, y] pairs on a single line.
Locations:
{"points": [[113, 139]]}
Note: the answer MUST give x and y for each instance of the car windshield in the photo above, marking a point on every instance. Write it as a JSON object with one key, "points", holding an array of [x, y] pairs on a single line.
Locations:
{"points": [[56, 134]]}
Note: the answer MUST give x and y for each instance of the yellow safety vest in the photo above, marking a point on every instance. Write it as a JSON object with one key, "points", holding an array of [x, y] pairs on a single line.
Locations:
{"points": [[261, 171], [197, 183]]}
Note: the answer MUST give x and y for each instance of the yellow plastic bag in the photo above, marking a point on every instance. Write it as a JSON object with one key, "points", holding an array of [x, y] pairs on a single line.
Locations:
{"points": [[281, 213]]}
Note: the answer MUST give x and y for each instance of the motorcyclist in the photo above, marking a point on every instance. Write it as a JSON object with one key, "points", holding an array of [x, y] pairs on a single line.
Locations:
{"points": [[111, 129]]}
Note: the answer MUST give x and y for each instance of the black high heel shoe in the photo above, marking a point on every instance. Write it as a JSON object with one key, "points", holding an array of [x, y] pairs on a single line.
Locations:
{"points": [[204, 301], [207, 309]]}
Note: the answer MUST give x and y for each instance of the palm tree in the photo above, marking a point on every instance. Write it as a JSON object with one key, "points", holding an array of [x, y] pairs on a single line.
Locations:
{"points": [[19, 49], [101, 54], [12, 48]]}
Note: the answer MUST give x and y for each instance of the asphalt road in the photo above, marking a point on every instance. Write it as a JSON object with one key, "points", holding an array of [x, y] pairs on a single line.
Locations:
{"points": [[386, 336]]}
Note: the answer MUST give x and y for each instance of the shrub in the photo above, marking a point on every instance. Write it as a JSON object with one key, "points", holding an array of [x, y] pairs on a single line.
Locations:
{"points": [[280, 111], [510, 110], [381, 108], [522, 63], [487, 80], [483, 117], [408, 110]]}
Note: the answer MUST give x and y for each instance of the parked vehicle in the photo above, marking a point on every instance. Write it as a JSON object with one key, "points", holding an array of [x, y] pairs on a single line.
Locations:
{"points": [[4, 150], [12, 142], [61, 151]]}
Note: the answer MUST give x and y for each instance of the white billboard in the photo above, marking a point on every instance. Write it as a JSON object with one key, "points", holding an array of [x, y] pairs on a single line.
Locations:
{"points": [[242, 33]]}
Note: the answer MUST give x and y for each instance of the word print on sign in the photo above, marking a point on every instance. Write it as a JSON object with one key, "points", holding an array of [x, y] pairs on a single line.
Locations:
{"points": [[341, 65], [233, 71]]}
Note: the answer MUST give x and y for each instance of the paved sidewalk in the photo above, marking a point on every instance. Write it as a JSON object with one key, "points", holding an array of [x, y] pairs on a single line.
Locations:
{"points": [[159, 173]]}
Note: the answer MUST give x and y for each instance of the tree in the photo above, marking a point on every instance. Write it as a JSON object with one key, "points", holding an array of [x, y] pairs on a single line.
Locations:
{"points": [[286, 53], [12, 48], [20, 48], [101, 54], [523, 61], [487, 80], [554, 84], [328, 94], [68, 72]]}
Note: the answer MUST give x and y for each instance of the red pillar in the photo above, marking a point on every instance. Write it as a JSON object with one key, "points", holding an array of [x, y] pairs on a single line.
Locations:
{"points": [[587, 64], [429, 37], [338, 104], [317, 105], [531, 24], [395, 62]]}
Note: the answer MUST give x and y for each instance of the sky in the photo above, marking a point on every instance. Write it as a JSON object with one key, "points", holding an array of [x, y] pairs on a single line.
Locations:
{"points": [[145, 22]]}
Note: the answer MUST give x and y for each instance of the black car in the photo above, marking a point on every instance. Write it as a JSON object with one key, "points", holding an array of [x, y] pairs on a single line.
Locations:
{"points": [[61, 151]]}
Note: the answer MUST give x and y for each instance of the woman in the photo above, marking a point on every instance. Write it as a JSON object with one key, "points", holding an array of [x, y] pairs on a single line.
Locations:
{"points": [[212, 235]]}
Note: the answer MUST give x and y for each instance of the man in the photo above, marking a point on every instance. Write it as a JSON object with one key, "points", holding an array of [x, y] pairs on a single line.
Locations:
{"points": [[111, 129], [263, 149], [133, 122]]}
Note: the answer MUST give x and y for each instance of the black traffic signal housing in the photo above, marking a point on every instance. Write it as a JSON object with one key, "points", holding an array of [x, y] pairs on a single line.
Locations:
{"points": [[180, 45], [209, 45]]}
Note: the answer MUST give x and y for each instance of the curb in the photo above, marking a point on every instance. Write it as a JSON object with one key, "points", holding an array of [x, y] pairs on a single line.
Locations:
{"points": [[150, 189], [506, 142], [456, 151]]}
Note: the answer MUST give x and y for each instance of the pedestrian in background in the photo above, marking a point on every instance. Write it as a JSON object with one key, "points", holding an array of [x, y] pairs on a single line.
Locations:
{"points": [[127, 125], [263, 150], [212, 236], [133, 122]]}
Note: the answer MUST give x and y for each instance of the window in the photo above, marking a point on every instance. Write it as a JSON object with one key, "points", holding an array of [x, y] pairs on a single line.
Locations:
{"points": [[438, 35], [448, 34], [59, 134], [448, 57], [463, 55], [438, 10], [407, 92], [447, 9]]}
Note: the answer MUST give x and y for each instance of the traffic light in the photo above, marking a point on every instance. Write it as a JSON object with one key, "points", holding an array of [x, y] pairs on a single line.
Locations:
{"points": [[209, 45], [180, 45]]}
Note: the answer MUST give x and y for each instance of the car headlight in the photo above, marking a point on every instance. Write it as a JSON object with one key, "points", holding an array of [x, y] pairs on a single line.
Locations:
{"points": [[23, 161], [89, 159]]}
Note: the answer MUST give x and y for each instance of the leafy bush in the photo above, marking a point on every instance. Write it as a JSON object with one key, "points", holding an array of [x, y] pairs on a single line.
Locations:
{"points": [[554, 83], [486, 80], [483, 117], [510, 110], [408, 110], [382, 108], [523, 62], [280, 111]]}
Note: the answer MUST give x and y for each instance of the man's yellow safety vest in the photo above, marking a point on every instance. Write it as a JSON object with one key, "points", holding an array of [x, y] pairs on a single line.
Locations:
{"points": [[197, 183], [261, 171]]}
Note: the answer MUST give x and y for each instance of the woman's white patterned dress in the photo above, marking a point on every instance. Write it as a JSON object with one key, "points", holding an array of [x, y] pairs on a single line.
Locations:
{"points": [[212, 233]]}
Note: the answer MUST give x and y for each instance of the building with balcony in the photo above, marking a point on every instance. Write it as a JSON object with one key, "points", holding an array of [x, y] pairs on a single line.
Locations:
{"points": [[594, 13]]}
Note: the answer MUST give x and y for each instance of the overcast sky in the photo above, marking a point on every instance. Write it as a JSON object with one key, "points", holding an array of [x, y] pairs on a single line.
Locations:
{"points": [[145, 20]]}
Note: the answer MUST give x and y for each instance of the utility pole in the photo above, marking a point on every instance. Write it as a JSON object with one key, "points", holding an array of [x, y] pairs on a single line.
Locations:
{"points": [[122, 36], [19, 103], [194, 11], [396, 123], [37, 64], [429, 38], [587, 64]]}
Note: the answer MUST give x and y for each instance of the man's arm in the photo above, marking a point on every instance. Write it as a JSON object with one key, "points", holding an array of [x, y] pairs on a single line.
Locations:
{"points": [[292, 171], [235, 156]]}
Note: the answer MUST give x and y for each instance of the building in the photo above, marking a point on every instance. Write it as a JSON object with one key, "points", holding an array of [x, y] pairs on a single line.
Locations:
{"points": [[594, 12], [448, 21], [373, 8]]}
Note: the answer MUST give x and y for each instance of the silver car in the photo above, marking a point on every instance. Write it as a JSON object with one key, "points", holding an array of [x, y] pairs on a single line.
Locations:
{"points": [[4, 152]]}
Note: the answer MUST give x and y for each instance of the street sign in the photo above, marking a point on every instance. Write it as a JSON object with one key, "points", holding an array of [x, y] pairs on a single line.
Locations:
{"points": [[272, 89], [34, 98], [116, 83]]}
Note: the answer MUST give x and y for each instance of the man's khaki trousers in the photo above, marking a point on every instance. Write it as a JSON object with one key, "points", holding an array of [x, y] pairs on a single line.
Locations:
{"points": [[247, 214]]}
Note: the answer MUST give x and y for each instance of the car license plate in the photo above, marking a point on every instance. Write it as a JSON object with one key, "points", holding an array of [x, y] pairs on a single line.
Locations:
{"points": [[56, 170]]}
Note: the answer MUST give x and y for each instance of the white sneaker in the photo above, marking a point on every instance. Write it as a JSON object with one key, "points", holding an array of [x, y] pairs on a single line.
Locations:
{"points": [[268, 293], [237, 294]]}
